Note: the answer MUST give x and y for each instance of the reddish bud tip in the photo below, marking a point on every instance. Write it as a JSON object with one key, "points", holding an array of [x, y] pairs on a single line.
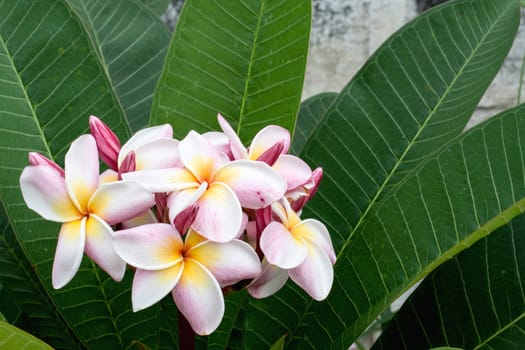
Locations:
{"points": [[108, 143], [36, 158], [128, 164], [185, 218], [271, 154]]}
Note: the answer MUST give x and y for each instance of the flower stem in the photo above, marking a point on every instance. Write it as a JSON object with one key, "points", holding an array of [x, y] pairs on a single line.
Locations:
{"points": [[186, 334]]}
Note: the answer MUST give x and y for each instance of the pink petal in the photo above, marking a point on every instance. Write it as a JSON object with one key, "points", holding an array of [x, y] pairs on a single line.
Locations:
{"points": [[271, 279], [219, 141], [163, 180], [268, 137], [271, 155], [237, 148], [69, 252], [119, 201], [199, 157], [108, 143], [198, 296], [178, 201], [255, 183], [220, 215], [143, 137], [315, 275], [128, 165], [82, 171], [229, 262], [36, 158], [151, 286], [158, 154], [184, 220], [281, 248], [149, 247], [44, 191], [293, 169], [315, 231], [99, 247]]}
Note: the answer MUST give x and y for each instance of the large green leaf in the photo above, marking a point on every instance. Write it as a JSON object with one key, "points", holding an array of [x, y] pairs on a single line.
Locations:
{"points": [[23, 300], [244, 59], [474, 301], [413, 95], [158, 7], [14, 338], [51, 81], [133, 43], [310, 115]]}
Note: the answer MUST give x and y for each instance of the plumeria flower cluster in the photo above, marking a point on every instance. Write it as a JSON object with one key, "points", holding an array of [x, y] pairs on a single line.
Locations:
{"points": [[195, 218]]}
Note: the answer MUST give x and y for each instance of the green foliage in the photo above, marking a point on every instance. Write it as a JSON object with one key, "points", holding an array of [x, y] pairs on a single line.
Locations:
{"points": [[245, 60], [403, 191], [14, 338]]}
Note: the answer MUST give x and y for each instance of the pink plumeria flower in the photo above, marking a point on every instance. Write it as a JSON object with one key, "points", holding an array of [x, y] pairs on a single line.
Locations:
{"points": [[86, 208], [270, 145], [220, 187], [301, 247], [151, 148], [193, 270]]}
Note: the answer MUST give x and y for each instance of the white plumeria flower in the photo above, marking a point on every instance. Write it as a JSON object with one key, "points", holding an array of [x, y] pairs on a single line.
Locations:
{"points": [[263, 148], [86, 208], [193, 270], [301, 248], [220, 187]]}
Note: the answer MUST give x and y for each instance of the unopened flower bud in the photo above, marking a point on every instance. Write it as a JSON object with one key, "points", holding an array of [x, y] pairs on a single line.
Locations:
{"points": [[108, 143]]}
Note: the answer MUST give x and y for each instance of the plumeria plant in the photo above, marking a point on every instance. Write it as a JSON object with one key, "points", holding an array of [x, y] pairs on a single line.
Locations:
{"points": [[164, 191]]}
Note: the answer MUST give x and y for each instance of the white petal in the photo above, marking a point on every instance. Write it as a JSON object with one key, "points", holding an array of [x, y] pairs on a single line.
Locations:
{"points": [[147, 218], [143, 137], [178, 201], [220, 215], [293, 169], [158, 154], [219, 141], [198, 296], [315, 231], [151, 286], [315, 275], [44, 191], [149, 247], [163, 180], [229, 262], [69, 252], [119, 201], [82, 171], [99, 247], [255, 183], [199, 157], [281, 248], [272, 279], [268, 137], [237, 148]]}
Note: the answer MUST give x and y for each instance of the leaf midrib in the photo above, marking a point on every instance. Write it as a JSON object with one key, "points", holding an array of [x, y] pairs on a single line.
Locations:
{"points": [[250, 66]]}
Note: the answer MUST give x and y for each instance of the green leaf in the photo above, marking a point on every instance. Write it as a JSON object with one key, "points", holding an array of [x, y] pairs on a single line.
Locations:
{"points": [[158, 7], [245, 60], [279, 344], [310, 115], [23, 300], [14, 338], [133, 43], [51, 81], [412, 96], [476, 300]]}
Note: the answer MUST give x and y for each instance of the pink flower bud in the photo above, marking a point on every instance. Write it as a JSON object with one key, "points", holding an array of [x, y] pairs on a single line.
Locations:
{"points": [[161, 202], [185, 218], [271, 154], [128, 164], [108, 143], [38, 159], [310, 188]]}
